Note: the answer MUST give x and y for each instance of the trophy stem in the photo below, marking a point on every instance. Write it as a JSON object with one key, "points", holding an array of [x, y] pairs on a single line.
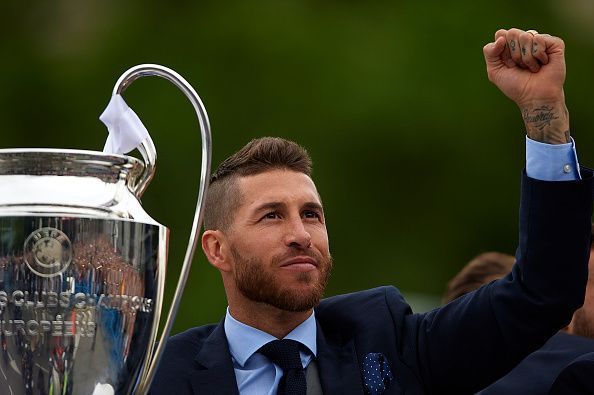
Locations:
{"points": [[148, 151]]}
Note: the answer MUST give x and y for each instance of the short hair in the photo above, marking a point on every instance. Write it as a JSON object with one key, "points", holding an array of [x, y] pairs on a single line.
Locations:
{"points": [[481, 270], [258, 156]]}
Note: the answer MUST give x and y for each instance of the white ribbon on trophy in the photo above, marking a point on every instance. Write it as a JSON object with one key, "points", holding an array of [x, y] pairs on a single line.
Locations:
{"points": [[126, 131]]}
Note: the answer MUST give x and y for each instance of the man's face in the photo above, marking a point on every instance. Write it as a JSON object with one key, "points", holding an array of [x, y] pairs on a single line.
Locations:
{"points": [[279, 242]]}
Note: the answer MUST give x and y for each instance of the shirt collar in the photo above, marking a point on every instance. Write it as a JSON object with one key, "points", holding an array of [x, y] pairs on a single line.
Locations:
{"points": [[245, 340]]}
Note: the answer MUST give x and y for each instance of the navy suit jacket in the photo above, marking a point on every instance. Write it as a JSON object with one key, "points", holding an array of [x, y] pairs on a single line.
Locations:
{"points": [[576, 378], [537, 372], [457, 349]]}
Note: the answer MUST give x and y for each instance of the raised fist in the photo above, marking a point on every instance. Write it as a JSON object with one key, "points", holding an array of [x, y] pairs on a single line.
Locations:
{"points": [[529, 68]]}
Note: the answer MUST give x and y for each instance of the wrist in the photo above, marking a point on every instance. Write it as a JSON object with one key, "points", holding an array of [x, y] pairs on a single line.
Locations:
{"points": [[546, 122]]}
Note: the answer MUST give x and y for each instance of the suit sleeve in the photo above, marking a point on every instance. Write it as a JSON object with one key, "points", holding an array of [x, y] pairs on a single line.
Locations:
{"points": [[575, 378], [469, 343]]}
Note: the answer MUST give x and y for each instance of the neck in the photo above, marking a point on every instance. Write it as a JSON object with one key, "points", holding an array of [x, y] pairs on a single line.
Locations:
{"points": [[279, 323]]}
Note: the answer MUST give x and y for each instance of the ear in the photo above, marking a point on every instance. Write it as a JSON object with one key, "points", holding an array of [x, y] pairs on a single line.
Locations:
{"points": [[214, 245]]}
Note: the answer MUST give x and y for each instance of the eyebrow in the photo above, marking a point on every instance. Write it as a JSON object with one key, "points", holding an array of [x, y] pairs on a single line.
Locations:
{"points": [[269, 206], [314, 206], [281, 205]]}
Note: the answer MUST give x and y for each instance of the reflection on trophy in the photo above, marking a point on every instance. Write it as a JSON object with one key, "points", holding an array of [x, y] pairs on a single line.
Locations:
{"points": [[82, 265]]}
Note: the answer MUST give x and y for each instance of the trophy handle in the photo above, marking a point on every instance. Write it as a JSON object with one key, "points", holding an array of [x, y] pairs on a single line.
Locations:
{"points": [[149, 154]]}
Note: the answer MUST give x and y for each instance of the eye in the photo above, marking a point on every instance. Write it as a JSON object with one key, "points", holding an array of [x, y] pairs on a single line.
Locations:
{"points": [[311, 214], [271, 215]]}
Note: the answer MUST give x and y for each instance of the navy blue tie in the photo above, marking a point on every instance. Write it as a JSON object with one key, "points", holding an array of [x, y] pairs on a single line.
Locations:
{"points": [[285, 353]]}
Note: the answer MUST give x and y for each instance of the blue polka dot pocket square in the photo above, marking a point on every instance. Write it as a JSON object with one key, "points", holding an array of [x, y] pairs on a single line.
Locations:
{"points": [[377, 375]]}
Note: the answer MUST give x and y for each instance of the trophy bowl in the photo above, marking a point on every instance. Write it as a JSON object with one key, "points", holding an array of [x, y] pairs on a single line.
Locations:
{"points": [[82, 265]]}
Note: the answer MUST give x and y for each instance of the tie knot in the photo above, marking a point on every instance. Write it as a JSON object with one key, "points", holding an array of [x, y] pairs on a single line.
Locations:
{"points": [[284, 353]]}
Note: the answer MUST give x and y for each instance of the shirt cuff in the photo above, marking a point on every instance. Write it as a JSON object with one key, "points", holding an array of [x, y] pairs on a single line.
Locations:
{"points": [[552, 162]]}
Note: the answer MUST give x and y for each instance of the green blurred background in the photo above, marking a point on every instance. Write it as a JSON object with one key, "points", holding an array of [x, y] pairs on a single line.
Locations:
{"points": [[417, 156]]}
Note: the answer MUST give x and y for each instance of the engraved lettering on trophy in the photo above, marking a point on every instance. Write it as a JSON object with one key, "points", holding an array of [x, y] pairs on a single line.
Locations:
{"points": [[47, 252], [36, 301], [135, 303], [33, 327], [5, 328], [28, 303], [19, 326], [68, 328], [3, 299], [46, 326], [67, 300], [52, 299], [147, 306], [57, 326], [18, 298]]}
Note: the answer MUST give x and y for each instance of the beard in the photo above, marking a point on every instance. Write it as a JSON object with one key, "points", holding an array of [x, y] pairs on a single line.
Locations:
{"points": [[259, 285], [582, 325]]}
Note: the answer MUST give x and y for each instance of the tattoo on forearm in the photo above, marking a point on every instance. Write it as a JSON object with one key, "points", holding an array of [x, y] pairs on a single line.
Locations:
{"points": [[512, 45], [538, 121]]}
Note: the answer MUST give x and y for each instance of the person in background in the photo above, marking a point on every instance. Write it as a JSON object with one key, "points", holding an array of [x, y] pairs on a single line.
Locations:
{"points": [[561, 362], [577, 377], [481, 270]]}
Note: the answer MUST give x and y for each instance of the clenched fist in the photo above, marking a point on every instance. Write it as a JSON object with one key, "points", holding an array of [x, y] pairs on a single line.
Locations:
{"points": [[529, 68]]}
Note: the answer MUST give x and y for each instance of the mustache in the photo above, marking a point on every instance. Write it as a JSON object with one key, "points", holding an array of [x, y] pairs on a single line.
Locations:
{"points": [[321, 260]]}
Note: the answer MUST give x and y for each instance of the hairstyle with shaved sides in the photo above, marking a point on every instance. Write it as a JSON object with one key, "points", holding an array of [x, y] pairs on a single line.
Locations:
{"points": [[257, 156]]}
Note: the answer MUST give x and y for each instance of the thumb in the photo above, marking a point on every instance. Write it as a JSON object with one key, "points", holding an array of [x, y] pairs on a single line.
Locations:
{"points": [[493, 52]]}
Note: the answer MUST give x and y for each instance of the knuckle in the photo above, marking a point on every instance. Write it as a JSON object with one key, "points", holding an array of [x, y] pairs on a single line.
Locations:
{"points": [[515, 31], [500, 33]]}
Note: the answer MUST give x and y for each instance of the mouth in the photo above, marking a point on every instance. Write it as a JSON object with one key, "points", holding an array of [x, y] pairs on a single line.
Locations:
{"points": [[302, 263]]}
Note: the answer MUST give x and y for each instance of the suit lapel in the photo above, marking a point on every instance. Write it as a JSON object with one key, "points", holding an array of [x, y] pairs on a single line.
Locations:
{"points": [[337, 363], [215, 374]]}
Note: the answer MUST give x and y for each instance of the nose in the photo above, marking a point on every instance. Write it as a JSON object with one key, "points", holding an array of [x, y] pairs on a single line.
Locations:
{"points": [[296, 235]]}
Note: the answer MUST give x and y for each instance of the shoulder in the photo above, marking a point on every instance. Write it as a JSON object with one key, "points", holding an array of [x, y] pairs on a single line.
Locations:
{"points": [[373, 304], [178, 358], [564, 341], [537, 371], [181, 349], [190, 339], [373, 295]]}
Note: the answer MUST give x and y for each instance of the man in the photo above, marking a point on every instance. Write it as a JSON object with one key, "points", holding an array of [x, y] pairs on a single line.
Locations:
{"points": [[551, 363], [266, 234]]}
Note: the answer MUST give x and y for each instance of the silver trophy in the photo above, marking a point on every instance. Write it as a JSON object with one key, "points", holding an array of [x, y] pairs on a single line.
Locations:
{"points": [[82, 265]]}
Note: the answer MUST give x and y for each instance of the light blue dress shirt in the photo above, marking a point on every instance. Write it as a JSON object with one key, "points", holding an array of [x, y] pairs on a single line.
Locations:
{"points": [[256, 375]]}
